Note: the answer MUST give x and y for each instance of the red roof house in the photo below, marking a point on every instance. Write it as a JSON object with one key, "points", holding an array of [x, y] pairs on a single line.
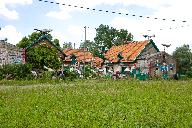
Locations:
{"points": [[131, 51], [132, 54], [81, 56]]}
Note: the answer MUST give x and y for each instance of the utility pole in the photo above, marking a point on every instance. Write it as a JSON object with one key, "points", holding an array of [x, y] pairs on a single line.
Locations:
{"points": [[165, 45], [74, 46], [84, 50]]}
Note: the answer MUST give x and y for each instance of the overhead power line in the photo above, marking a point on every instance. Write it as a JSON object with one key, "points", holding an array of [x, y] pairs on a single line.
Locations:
{"points": [[113, 12], [126, 14]]}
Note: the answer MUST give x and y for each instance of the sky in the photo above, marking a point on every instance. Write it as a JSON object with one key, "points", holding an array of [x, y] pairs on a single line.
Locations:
{"points": [[19, 18]]}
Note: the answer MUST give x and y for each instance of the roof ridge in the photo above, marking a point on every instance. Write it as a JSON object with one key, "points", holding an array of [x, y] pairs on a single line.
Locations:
{"points": [[133, 44], [131, 50], [146, 41]]}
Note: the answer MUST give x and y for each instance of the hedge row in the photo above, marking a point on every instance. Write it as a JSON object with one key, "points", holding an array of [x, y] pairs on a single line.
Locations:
{"points": [[16, 71]]}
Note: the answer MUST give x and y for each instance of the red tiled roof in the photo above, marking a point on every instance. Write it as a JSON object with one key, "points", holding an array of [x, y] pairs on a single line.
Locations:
{"points": [[82, 55], [97, 62], [129, 51], [79, 53]]}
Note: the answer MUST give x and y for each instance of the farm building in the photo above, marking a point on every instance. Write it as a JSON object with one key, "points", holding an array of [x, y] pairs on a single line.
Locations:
{"points": [[10, 54], [140, 57], [45, 40], [77, 57]]}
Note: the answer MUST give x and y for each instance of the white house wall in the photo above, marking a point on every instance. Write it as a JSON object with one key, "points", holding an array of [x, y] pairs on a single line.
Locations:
{"points": [[117, 68]]}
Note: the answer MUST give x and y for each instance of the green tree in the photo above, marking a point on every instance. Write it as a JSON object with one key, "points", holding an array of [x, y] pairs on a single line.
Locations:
{"points": [[89, 45], [183, 56], [108, 36], [67, 45], [56, 42], [41, 55]]}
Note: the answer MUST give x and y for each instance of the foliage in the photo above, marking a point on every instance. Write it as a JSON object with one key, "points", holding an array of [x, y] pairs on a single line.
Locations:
{"points": [[18, 71], [105, 38], [98, 103], [108, 36], [56, 42], [67, 45], [47, 75], [89, 45], [70, 73], [183, 56], [89, 73], [41, 55]]}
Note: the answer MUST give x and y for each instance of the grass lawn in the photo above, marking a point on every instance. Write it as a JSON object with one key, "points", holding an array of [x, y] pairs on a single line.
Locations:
{"points": [[98, 103]]}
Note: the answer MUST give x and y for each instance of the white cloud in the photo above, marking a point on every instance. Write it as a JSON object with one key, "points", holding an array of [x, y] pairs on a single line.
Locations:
{"points": [[77, 34], [65, 10], [170, 10], [61, 15], [58, 35], [74, 34], [174, 36], [11, 34], [8, 13], [177, 10]]}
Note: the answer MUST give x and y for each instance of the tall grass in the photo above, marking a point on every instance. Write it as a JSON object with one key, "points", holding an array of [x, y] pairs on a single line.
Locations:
{"points": [[99, 103]]}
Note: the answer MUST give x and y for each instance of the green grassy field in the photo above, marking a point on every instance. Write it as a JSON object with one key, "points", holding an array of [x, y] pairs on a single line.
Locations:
{"points": [[98, 103]]}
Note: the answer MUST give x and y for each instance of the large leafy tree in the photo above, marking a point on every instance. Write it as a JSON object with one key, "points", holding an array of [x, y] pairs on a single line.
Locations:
{"points": [[183, 56], [91, 47], [108, 36], [41, 55]]}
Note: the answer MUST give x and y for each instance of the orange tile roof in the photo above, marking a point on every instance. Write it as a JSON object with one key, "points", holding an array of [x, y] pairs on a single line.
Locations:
{"points": [[97, 62], [70, 51], [129, 51], [79, 53]]}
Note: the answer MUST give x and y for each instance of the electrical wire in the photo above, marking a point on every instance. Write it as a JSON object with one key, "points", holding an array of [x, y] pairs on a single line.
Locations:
{"points": [[113, 12]]}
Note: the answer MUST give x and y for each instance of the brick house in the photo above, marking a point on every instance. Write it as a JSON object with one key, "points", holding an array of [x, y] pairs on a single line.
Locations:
{"points": [[139, 57], [10, 54]]}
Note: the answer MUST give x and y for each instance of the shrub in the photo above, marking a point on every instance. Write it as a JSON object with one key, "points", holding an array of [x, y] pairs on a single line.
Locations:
{"points": [[89, 72], [47, 75], [15, 71], [70, 74]]}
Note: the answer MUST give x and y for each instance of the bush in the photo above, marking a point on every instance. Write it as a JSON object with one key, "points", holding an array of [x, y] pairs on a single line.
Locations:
{"points": [[89, 72], [189, 74], [70, 74], [47, 75], [15, 71]]}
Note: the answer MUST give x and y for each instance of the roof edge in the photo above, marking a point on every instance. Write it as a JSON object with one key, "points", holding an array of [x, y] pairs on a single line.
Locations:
{"points": [[150, 42], [42, 38]]}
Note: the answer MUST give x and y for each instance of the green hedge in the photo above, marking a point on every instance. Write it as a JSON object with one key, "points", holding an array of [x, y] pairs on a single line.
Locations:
{"points": [[16, 71]]}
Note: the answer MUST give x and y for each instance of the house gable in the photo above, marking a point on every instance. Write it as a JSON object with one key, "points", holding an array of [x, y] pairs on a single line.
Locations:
{"points": [[44, 39], [149, 49], [129, 51]]}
